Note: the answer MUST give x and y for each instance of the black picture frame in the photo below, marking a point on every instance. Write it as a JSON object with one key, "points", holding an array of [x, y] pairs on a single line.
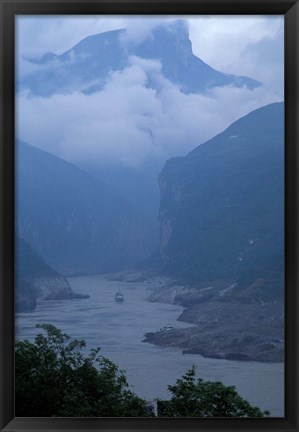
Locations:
{"points": [[8, 10]]}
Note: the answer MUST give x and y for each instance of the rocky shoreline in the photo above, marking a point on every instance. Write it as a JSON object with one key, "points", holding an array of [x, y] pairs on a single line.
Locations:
{"points": [[55, 288], [42, 289], [225, 324]]}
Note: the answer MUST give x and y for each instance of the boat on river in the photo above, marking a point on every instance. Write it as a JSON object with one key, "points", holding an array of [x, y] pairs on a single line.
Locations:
{"points": [[119, 297], [167, 328]]}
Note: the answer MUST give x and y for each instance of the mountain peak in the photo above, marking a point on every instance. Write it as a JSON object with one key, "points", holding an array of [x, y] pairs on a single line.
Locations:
{"points": [[88, 65], [168, 42], [178, 27]]}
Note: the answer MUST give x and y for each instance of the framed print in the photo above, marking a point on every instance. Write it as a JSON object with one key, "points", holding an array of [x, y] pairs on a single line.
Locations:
{"points": [[149, 196]]}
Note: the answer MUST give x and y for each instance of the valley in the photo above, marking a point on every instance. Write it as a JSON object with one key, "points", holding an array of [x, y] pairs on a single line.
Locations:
{"points": [[143, 170], [222, 253]]}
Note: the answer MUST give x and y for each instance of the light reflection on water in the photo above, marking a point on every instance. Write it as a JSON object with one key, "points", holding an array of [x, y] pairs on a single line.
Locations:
{"points": [[119, 328]]}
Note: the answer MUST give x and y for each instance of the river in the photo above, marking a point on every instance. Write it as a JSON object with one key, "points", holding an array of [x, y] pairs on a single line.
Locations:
{"points": [[119, 328]]}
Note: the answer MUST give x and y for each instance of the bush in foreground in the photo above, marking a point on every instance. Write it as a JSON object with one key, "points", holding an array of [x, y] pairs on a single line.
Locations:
{"points": [[191, 398]]}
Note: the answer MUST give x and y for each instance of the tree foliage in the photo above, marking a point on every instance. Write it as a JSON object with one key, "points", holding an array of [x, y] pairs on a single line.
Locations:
{"points": [[191, 398], [54, 378]]}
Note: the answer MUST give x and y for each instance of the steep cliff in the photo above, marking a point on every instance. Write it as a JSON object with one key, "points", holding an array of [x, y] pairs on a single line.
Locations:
{"points": [[222, 239], [222, 206]]}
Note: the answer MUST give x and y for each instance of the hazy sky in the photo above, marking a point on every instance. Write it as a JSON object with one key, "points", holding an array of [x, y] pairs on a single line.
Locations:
{"points": [[70, 125]]}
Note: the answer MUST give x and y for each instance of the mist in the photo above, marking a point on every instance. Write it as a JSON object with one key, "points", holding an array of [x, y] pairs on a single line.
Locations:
{"points": [[128, 122]]}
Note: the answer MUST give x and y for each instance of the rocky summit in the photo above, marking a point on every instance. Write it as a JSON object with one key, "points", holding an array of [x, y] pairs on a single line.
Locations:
{"points": [[88, 65]]}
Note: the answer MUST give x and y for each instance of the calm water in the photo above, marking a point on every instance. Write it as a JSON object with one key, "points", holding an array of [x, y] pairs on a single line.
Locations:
{"points": [[119, 328]]}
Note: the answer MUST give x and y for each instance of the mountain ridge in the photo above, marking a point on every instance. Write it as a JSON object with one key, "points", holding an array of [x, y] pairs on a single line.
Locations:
{"points": [[232, 188], [75, 222], [89, 63]]}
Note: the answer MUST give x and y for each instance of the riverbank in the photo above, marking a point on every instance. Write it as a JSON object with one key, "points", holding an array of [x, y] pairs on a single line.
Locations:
{"points": [[225, 324]]}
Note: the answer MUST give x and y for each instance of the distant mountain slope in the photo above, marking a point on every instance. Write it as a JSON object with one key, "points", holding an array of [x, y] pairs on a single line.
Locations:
{"points": [[222, 206], [75, 222], [29, 265], [87, 66]]}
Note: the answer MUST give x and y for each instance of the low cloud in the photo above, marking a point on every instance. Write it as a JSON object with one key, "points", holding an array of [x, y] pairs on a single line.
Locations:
{"points": [[37, 35], [128, 121], [243, 45], [138, 30]]}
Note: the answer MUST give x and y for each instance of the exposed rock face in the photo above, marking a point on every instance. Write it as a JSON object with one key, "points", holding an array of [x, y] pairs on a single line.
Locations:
{"points": [[165, 235], [54, 288], [227, 325], [244, 346], [29, 291], [35, 280]]}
